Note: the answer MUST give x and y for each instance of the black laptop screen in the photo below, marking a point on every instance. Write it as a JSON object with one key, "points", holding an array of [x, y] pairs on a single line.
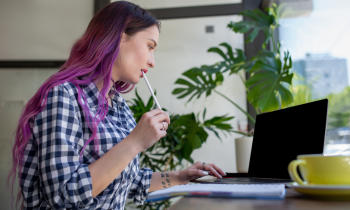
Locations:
{"points": [[283, 134]]}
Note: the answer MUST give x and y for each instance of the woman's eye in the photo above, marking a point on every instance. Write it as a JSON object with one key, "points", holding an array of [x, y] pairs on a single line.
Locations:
{"points": [[150, 47]]}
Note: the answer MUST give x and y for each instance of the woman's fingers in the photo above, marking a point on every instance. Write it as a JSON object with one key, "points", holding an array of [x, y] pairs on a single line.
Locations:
{"points": [[162, 117], [195, 174], [156, 116], [161, 121], [155, 112], [149, 128], [218, 169], [214, 170], [163, 126]]}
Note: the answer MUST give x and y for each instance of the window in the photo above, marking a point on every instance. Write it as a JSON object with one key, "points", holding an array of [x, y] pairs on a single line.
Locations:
{"points": [[317, 39]]}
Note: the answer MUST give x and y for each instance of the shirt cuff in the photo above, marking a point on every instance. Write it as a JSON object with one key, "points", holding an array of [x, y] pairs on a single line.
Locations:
{"points": [[140, 187]]}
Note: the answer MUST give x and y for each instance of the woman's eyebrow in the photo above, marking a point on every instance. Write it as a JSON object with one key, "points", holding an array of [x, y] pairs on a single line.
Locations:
{"points": [[155, 43]]}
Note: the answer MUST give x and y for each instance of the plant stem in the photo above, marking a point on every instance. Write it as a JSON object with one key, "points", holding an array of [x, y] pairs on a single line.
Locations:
{"points": [[273, 41], [236, 105], [246, 134], [168, 162], [257, 110], [241, 78]]}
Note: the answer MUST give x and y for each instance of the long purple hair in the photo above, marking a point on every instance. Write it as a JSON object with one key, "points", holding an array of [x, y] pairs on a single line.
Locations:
{"points": [[91, 60]]}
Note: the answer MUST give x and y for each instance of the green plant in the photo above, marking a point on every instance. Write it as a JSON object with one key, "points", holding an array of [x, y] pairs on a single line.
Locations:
{"points": [[301, 91], [268, 87], [185, 133], [339, 109]]}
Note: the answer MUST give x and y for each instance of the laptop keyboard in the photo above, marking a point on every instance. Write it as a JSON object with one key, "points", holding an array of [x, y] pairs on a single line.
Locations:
{"points": [[246, 179]]}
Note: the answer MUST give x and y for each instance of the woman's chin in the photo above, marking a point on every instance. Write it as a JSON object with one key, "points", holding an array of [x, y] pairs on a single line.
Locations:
{"points": [[134, 81]]}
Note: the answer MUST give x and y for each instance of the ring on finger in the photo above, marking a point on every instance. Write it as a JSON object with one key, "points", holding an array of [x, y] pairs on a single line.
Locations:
{"points": [[203, 164], [163, 126]]}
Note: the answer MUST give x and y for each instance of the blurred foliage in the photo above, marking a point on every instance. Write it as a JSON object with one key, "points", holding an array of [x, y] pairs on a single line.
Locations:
{"points": [[338, 119], [185, 133], [339, 109], [301, 91]]}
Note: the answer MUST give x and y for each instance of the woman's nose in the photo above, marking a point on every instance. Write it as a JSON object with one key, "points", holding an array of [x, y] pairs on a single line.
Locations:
{"points": [[151, 63]]}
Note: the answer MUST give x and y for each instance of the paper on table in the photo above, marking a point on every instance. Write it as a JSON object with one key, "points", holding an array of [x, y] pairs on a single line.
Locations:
{"points": [[222, 190]]}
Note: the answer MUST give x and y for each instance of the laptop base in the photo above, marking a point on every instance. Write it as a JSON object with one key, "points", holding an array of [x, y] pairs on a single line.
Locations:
{"points": [[242, 180]]}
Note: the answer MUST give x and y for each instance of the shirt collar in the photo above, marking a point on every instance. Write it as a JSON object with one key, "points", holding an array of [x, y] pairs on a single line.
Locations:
{"points": [[92, 93]]}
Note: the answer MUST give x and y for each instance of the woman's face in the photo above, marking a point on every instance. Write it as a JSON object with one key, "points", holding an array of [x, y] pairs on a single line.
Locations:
{"points": [[135, 54]]}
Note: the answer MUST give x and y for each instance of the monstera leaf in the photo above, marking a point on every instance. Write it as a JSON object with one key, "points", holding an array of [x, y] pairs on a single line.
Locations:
{"points": [[268, 85], [232, 63], [217, 123], [206, 78], [194, 134], [201, 80], [259, 22], [197, 83]]}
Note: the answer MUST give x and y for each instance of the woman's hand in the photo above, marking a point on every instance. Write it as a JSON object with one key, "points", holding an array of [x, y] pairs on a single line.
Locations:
{"points": [[196, 171], [162, 180], [149, 129]]}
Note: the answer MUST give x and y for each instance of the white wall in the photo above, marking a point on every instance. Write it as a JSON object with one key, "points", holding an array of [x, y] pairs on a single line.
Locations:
{"points": [[40, 29], [16, 86]]}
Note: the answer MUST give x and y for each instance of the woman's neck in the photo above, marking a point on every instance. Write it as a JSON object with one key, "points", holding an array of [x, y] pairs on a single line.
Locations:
{"points": [[99, 85]]}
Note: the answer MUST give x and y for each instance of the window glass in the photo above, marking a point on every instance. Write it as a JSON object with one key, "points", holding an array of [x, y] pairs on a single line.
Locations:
{"points": [[156, 4], [318, 40]]}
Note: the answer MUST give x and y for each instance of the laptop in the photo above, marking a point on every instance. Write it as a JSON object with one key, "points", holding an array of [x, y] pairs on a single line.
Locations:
{"points": [[279, 137]]}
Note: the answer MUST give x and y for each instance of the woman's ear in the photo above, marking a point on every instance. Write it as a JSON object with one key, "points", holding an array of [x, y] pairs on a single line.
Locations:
{"points": [[125, 37]]}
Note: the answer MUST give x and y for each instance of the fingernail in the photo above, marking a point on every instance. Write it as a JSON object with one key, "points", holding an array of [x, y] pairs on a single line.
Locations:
{"points": [[225, 173], [220, 176], [205, 173]]}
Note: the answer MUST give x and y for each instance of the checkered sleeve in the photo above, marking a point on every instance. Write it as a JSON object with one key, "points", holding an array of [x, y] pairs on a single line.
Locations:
{"points": [[140, 186], [65, 182]]}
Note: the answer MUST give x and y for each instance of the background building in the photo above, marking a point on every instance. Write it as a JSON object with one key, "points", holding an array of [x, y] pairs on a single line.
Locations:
{"points": [[323, 73]]}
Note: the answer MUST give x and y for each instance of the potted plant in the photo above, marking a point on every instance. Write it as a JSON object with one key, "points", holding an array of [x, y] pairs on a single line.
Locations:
{"points": [[269, 83]]}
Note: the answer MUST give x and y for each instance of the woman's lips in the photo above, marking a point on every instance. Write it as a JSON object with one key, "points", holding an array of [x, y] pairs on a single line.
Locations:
{"points": [[144, 71]]}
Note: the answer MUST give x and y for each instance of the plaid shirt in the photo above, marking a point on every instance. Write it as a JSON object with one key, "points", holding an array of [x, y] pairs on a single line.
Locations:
{"points": [[52, 176]]}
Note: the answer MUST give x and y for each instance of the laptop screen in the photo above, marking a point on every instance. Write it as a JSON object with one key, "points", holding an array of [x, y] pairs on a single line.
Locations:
{"points": [[281, 135]]}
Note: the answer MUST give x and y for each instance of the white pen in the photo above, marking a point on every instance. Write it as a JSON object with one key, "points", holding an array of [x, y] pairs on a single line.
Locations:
{"points": [[150, 90]]}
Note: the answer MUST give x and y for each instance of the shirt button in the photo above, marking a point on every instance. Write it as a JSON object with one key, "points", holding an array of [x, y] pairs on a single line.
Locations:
{"points": [[123, 182]]}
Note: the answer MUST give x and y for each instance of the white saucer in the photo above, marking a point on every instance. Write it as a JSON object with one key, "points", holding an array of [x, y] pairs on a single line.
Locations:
{"points": [[324, 192]]}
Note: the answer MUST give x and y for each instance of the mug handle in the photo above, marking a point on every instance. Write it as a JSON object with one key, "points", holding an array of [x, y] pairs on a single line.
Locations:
{"points": [[292, 169]]}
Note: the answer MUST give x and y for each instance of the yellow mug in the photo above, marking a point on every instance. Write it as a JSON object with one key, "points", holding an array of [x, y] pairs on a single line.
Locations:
{"points": [[320, 169]]}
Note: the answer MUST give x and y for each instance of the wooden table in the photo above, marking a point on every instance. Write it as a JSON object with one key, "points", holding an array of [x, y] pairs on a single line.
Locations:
{"points": [[292, 201]]}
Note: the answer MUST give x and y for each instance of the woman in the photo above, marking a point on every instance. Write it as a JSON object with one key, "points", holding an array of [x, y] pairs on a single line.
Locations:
{"points": [[77, 144]]}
